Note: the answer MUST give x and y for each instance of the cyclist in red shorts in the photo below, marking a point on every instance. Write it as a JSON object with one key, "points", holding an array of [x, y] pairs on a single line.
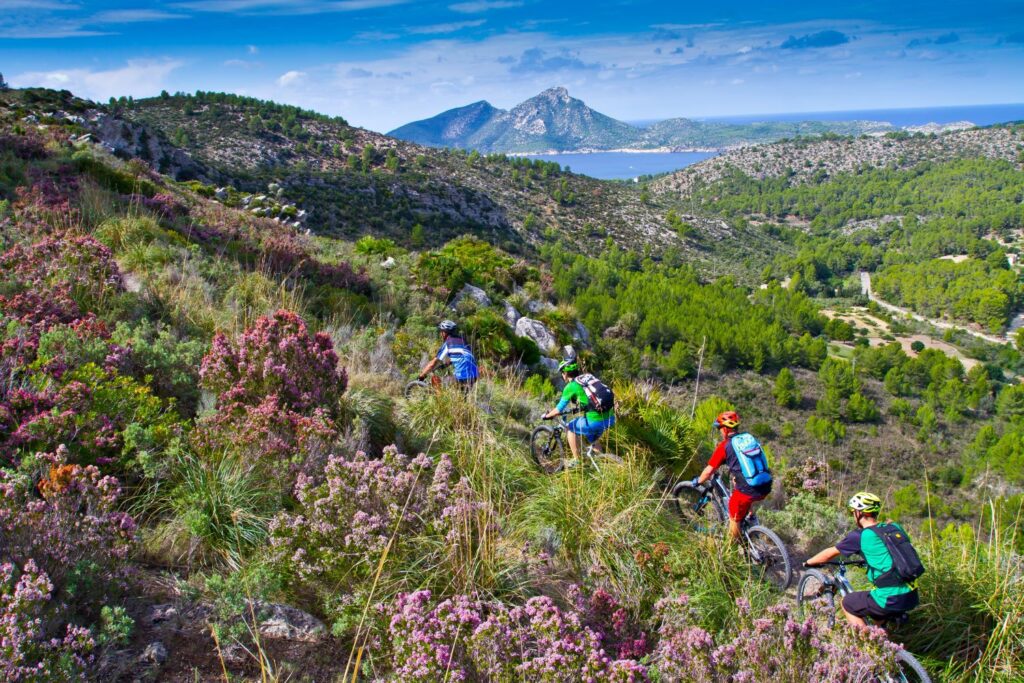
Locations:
{"points": [[752, 480]]}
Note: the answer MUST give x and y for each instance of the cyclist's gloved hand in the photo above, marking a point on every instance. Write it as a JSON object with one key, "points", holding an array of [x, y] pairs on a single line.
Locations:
{"points": [[807, 565], [695, 482]]}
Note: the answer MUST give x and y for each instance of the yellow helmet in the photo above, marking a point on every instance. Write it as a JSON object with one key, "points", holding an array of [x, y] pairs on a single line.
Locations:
{"points": [[865, 502]]}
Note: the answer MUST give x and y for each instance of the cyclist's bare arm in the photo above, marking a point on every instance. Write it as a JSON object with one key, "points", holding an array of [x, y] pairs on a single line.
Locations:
{"points": [[824, 556], [706, 474], [428, 368]]}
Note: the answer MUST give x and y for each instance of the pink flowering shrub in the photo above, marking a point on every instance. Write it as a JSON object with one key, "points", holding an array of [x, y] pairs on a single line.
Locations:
{"points": [[268, 244], [27, 654], [278, 389], [342, 526], [772, 647], [619, 633], [69, 525], [466, 639], [277, 356]]}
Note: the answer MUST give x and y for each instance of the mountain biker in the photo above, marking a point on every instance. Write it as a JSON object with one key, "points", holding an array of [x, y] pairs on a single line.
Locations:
{"points": [[744, 493], [891, 596], [593, 423], [456, 352]]}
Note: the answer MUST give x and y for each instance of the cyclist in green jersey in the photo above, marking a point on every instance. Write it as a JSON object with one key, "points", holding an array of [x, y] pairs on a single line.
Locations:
{"points": [[891, 597], [594, 422]]}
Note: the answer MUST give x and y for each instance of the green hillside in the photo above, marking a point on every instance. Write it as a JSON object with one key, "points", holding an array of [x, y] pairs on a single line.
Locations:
{"points": [[204, 441]]}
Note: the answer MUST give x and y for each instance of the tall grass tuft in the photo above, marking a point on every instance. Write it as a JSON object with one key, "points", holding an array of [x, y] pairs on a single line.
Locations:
{"points": [[216, 512], [972, 602]]}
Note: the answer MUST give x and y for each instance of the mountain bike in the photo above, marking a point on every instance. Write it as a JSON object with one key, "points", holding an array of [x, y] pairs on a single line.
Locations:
{"points": [[822, 585], [437, 381], [549, 447], [705, 509]]}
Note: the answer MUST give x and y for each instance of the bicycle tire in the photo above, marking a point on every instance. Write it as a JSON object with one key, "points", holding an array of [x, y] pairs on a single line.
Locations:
{"points": [[773, 563], [415, 388], [814, 586], [702, 518], [910, 670], [547, 449]]}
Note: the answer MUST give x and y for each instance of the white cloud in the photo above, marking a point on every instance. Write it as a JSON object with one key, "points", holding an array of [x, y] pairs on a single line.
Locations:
{"points": [[291, 78], [478, 6], [286, 6], [437, 29], [139, 78], [35, 4], [131, 16], [252, 49]]}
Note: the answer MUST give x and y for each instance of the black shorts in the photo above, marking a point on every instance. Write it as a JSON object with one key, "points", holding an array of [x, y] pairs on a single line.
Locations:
{"points": [[861, 604]]}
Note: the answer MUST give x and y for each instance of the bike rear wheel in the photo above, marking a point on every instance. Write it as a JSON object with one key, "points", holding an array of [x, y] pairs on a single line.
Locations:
{"points": [[416, 388], [816, 598], [697, 508], [769, 556], [547, 449], [908, 669]]}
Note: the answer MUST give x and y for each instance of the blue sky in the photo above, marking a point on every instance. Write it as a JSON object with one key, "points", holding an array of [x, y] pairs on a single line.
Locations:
{"points": [[381, 63]]}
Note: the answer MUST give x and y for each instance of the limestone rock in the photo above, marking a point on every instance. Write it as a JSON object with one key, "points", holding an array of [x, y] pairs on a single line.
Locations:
{"points": [[475, 293], [511, 314], [538, 332], [288, 623], [155, 653]]}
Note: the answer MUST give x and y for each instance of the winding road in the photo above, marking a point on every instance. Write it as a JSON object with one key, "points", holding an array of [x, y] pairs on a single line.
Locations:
{"points": [[865, 289]]}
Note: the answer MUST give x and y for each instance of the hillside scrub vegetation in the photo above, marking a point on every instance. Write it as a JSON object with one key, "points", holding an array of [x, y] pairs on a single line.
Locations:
{"points": [[202, 410]]}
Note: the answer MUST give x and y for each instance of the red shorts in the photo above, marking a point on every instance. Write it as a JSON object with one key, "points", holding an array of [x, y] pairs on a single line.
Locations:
{"points": [[740, 504]]}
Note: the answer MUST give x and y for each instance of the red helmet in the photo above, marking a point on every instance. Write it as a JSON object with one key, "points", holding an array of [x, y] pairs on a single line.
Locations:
{"points": [[728, 419]]}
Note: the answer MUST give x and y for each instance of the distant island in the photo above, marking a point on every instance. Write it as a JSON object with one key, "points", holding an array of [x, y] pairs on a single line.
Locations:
{"points": [[554, 122]]}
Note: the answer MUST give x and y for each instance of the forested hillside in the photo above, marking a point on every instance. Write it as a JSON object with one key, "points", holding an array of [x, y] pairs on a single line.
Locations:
{"points": [[209, 469]]}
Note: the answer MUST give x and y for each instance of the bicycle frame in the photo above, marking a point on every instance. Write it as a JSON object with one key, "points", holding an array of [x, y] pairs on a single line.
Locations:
{"points": [[837, 577], [562, 427]]}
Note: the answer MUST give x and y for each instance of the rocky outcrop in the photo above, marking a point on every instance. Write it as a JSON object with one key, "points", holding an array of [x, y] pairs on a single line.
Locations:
{"points": [[472, 293], [538, 332], [511, 314], [129, 139], [288, 623]]}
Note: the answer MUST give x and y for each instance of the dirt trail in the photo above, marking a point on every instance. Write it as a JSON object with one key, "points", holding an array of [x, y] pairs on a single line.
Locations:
{"points": [[865, 289]]}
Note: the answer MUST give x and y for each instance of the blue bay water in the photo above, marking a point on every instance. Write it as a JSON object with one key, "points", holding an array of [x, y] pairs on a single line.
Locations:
{"points": [[624, 165]]}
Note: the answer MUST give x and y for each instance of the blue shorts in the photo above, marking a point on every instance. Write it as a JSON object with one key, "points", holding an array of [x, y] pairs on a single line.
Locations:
{"points": [[590, 429]]}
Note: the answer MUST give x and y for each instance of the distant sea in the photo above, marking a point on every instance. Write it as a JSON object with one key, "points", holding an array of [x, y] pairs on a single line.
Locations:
{"points": [[626, 165]]}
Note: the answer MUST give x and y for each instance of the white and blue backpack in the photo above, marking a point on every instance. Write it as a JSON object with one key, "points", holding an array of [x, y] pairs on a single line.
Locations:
{"points": [[753, 462]]}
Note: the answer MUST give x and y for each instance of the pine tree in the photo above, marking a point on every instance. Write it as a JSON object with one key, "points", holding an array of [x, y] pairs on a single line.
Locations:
{"points": [[786, 391]]}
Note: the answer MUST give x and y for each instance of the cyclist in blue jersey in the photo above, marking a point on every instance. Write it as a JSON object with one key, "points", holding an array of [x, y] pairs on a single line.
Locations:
{"points": [[455, 352]]}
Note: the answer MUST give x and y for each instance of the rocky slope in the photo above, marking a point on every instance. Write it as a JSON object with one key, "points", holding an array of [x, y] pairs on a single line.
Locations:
{"points": [[806, 159]]}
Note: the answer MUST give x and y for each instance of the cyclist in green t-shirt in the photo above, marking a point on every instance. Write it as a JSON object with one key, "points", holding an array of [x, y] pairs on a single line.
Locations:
{"points": [[592, 424], [885, 602]]}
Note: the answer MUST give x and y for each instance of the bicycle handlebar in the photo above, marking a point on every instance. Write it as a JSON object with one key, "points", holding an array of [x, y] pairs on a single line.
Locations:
{"points": [[841, 563]]}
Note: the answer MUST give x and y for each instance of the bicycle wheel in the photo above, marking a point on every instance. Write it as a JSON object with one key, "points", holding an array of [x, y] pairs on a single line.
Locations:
{"points": [[697, 508], [769, 556], [415, 389], [816, 597], [908, 669], [547, 448]]}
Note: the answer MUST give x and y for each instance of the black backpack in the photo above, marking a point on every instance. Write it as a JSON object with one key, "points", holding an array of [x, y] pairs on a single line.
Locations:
{"points": [[906, 565], [599, 396]]}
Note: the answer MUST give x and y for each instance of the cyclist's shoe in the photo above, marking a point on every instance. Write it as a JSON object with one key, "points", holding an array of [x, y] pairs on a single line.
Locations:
{"points": [[569, 464], [896, 620]]}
